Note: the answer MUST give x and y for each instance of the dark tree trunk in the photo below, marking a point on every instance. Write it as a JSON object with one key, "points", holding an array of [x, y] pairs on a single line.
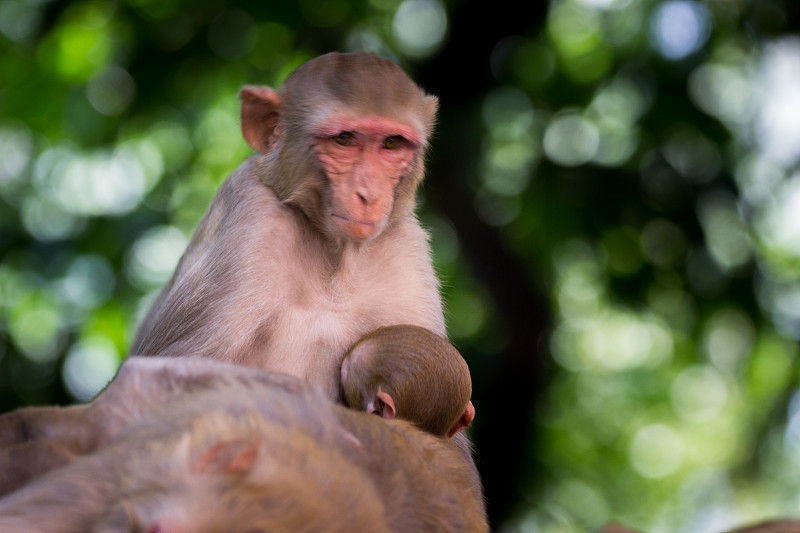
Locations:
{"points": [[460, 75]]}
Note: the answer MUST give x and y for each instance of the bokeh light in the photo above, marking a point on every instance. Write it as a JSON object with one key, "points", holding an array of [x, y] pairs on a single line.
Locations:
{"points": [[725, 90], [663, 243], [16, 149], [679, 28], [88, 282], [111, 91], [36, 325], [726, 234], [779, 114], [571, 139], [778, 225], [89, 366], [656, 451], [419, 26], [699, 394], [155, 255], [693, 155], [48, 221], [576, 32], [19, 19]]}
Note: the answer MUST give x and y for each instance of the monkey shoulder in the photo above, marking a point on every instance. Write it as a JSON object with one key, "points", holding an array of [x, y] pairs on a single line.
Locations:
{"points": [[238, 215], [403, 247], [244, 200], [405, 287]]}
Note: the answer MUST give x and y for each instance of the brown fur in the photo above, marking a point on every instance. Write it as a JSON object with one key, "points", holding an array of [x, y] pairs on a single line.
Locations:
{"points": [[252, 451], [49, 437], [425, 378], [24, 461]]}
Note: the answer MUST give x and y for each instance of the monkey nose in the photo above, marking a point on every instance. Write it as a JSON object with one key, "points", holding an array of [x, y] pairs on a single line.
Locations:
{"points": [[365, 197]]}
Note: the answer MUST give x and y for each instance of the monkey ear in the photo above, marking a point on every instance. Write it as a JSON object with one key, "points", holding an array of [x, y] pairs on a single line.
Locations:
{"points": [[261, 108], [465, 420], [228, 456], [382, 405], [433, 106]]}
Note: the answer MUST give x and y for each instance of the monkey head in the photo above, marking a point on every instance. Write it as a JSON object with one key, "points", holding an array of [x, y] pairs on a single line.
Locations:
{"points": [[345, 138]]}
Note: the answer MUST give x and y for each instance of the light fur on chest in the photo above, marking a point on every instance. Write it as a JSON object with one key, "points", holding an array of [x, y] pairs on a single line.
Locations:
{"points": [[291, 302]]}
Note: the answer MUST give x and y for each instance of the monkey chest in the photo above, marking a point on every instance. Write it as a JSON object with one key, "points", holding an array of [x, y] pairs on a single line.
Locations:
{"points": [[308, 335], [323, 318], [297, 316], [334, 315]]}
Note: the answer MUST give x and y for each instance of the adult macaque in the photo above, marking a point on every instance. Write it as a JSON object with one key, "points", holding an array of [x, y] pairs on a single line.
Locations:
{"points": [[313, 242], [34, 440], [22, 461], [251, 451], [411, 373]]}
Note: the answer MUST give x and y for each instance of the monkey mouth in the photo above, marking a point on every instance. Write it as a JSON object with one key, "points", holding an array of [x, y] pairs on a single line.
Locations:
{"points": [[347, 220], [357, 230]]}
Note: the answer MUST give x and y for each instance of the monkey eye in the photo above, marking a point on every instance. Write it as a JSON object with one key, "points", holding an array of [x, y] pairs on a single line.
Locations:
{"points": [[345, 138], [393, 143]]}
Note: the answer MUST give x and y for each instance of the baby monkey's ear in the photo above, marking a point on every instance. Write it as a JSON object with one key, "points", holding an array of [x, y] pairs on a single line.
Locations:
{"points": [[383, 405], [465, 420]]}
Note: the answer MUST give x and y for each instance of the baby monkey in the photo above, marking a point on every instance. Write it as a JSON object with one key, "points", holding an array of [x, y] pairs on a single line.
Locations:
{"points": [[410, 373]]}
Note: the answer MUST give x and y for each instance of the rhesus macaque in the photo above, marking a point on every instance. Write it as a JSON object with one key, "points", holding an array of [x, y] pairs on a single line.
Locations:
{"points": [[249, 451], [34, 440], [22, 461], [312, 242], [411, 373]]}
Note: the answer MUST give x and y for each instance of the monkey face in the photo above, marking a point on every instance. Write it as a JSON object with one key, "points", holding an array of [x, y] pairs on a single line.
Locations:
{"points": [[364, 159]]}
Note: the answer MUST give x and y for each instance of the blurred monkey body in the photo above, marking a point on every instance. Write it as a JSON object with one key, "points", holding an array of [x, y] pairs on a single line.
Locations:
{"points": [[34, 440], [313, 242], [228, 449], [155, 400]]}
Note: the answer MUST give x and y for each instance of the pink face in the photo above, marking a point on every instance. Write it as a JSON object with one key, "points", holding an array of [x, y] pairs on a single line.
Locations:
{"points": [[364, 159]]}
